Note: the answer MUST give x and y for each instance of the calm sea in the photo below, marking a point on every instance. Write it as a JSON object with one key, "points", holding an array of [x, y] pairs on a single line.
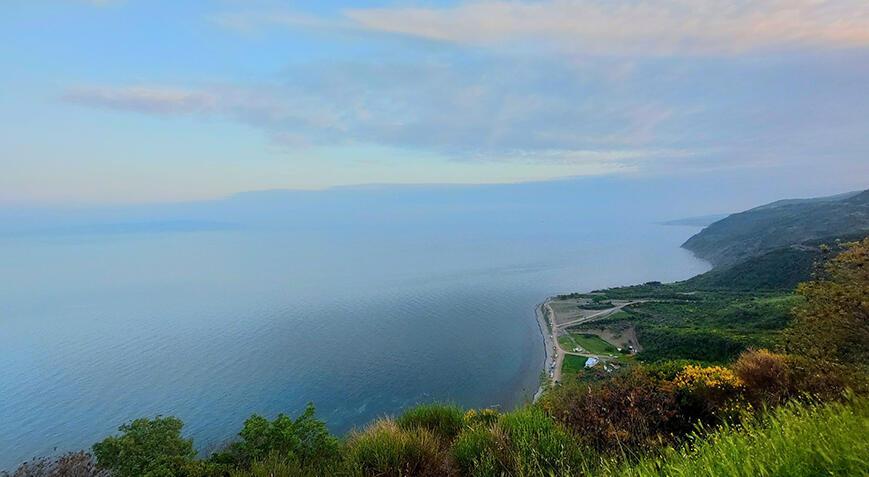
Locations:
{"points": [[99, 327]]}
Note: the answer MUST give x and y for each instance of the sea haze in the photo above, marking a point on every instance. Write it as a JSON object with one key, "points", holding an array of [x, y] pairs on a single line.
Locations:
{"points": [[363, 301]]}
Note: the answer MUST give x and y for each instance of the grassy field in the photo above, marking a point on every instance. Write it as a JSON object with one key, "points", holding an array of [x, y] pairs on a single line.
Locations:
{"points": [[590, 343], [573, 364]]}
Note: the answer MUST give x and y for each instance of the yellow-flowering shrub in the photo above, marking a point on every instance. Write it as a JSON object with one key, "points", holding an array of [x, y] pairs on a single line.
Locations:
{"points": [[709, 394], [713, 377]]}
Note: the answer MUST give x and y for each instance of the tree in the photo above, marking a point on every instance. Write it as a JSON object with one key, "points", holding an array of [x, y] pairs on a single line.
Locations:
{"points": [[305, 439], [833, 322], [146, 448]]}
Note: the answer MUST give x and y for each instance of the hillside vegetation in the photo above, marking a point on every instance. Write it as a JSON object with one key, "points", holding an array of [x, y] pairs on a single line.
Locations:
{"points": [[780, 224]]}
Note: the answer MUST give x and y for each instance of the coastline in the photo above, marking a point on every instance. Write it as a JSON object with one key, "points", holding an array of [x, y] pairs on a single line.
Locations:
{"points": [[547, 344]]}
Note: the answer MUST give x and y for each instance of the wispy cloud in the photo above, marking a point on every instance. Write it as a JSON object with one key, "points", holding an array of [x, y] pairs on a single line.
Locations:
{"points": [[638, 83], [490, 109], [144, 99], [658, 27], [698, 114]]}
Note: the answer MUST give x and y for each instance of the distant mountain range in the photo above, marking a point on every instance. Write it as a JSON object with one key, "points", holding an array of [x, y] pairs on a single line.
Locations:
{"points": [[784, 223]]}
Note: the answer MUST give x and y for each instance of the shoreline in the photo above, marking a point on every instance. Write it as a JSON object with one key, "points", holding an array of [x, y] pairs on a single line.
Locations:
{"points": [[548, 357]]}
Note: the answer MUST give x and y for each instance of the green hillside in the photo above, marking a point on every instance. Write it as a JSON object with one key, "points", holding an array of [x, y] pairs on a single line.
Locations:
{"points": [[780, 224], [779, 269]]}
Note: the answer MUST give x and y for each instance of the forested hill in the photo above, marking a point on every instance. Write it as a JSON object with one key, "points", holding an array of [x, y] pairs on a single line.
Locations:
{"points": [[778, 269], [785, 223]]}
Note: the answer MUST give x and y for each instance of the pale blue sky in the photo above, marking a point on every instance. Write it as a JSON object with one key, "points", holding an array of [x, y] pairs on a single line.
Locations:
{"points": [[121, 101]]}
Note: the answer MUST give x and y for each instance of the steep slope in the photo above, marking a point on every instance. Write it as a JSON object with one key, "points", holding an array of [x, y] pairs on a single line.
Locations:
{"points": [[779, 269], [780, 224]]}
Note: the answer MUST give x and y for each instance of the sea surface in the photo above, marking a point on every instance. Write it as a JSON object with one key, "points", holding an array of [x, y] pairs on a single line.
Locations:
{"points": [[102, 325]]}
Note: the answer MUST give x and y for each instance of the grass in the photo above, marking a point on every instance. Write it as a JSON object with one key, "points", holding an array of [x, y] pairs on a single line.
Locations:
{"points": [[573, 364], [443, 420], [385, 449], [539, 445], [594, 344], [795, 440]]}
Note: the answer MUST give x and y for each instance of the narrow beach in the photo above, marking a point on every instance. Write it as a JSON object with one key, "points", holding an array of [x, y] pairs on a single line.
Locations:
{"points": [[548, 345]]}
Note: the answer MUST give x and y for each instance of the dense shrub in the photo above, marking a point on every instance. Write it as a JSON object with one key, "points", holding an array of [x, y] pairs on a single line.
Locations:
{"points": [[824, 380], [384, 449], [73, 464], [767, 376], [629, 412], [146, 448], [305, 440], [771, 378], [443, 420]]}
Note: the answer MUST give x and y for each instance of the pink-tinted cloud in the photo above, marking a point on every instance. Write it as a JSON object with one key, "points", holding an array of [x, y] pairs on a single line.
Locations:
{"points": [[656, 27]]}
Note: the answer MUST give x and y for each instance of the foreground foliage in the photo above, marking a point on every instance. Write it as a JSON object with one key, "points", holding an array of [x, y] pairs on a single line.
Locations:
{"points": [[794, 440]]}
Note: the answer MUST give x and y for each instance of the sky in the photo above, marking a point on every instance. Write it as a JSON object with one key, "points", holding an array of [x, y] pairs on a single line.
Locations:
{"points": [[134, 101]]}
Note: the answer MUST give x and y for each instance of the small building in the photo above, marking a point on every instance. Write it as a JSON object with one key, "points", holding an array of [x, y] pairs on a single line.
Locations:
{"points": [[590, 362]]}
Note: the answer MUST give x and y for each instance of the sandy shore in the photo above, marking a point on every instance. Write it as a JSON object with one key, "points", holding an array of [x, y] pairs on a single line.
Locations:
{"points": [[548, 345]]}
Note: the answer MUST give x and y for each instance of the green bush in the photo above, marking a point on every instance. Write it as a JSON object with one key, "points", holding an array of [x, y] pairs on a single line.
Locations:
{"points": [[443, 420], [305, 440], [146, 448], [384, 449]]}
